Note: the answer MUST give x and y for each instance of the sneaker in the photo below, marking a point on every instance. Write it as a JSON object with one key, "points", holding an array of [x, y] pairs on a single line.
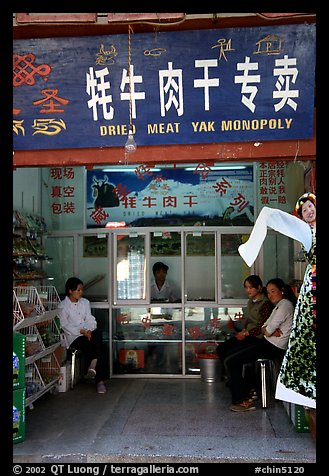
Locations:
{"points": [[101, 387], [253, 395], [91, 373], [245, 406]]}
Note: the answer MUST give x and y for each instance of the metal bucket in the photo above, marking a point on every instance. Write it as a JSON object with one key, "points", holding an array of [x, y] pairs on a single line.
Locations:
{"points": [[210, 369]]}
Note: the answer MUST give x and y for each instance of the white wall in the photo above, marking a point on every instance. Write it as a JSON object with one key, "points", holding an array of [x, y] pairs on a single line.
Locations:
{"points": [[26, 190]]}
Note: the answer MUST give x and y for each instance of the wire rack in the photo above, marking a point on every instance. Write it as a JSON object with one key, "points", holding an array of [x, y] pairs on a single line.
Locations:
{"points": [[40, 376], [49, 297], [18, 315], [49, 332], [49, 369], [29, 301], [33, 340], [33, 380]]}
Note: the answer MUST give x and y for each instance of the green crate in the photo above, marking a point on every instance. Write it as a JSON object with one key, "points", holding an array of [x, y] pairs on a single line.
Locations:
{"points": [[299, 418], [18, 360], [18, 415]]}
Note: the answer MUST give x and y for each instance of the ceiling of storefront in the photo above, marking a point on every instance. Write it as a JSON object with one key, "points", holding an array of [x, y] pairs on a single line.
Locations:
{"points": [[39, 25]]}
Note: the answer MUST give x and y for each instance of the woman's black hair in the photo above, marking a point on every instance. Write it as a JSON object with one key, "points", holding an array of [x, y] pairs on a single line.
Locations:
{"points": [[254, 280], [72, 284], [159, 265], [288, 293]]}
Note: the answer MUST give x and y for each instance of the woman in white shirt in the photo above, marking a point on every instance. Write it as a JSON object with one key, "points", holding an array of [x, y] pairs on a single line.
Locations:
{"points": [[273, 345], [277, 328], [80, 330]]}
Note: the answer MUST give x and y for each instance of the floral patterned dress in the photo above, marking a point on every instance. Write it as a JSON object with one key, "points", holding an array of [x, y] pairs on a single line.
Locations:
{"points": [[298, 369]]}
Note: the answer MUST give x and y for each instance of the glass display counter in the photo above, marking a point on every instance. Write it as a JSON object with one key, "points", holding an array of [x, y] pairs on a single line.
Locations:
{"points": [[150, 340]]}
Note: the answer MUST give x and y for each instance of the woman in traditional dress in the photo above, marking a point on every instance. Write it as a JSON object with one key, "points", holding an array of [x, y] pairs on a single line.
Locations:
{"points": [[297, 378]]}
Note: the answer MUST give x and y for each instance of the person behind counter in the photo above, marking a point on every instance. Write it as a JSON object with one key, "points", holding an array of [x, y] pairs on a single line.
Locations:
{"points": [[80, 330], [161, 289], [276, 331]]}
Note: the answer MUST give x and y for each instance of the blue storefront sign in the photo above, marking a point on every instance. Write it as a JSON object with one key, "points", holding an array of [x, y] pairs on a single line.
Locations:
{"points": [[187, 87]]}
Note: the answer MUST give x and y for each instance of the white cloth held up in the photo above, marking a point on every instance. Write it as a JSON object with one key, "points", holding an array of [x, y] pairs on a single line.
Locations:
{"points": [[283, 222]]}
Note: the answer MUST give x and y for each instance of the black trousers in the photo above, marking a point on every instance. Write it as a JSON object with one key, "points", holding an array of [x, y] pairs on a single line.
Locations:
{"points": [[233, 345], [91, 349], [240, 386]]}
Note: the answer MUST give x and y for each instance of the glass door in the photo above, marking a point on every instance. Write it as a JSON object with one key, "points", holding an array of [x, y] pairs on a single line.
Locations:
{"points": [[93, 265], [61, 265], [200, 267], [233, 270], [130, 279]]}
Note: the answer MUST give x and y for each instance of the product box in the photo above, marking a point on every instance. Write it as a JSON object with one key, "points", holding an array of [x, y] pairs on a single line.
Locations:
{"points": [[299, 418], [134, 358], [64, 378], [18, 415], [18, 360], [64, 381]]}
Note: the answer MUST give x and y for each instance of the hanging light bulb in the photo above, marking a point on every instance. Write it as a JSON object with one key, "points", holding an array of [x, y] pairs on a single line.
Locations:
{"points": [[130, 145]]}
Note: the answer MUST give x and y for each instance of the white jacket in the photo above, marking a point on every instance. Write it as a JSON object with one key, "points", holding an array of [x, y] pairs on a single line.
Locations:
{"points": [[75, 316], [281, 317]]}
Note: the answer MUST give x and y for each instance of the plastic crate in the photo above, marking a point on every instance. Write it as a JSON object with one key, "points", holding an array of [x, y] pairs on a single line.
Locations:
{"points": [[18, 415], [299, 418], [18, 360]]}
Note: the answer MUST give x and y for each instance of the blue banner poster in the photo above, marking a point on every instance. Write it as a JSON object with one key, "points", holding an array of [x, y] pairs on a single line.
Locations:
{"points": [[187, 196], [186, 87]]}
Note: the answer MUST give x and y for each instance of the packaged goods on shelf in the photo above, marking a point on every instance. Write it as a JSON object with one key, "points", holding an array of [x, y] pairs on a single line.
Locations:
{"points": [[33, 341], [28, 248], [49, 368], [33, 381], [36, 321]]}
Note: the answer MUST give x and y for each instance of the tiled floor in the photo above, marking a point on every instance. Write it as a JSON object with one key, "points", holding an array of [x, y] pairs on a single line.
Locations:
{"points": [[160, 420]]}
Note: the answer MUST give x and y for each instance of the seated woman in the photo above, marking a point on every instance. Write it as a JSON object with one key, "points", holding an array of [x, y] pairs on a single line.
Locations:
{"points": [[80, 330], [259, 309], [276, 331]]}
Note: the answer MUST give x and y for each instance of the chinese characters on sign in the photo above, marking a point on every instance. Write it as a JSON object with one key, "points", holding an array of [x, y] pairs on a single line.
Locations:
{"points": [[62, 195], [145, 195], [272, 186], [239, 84]]}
